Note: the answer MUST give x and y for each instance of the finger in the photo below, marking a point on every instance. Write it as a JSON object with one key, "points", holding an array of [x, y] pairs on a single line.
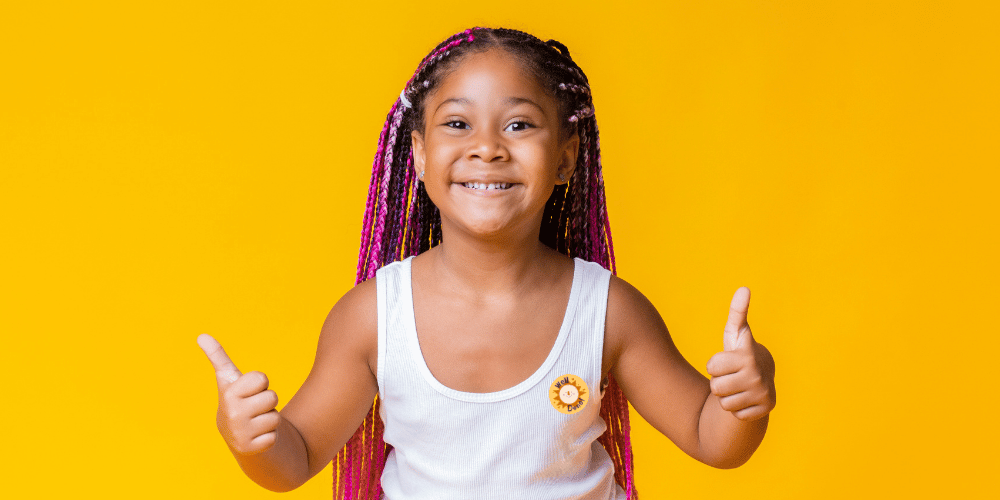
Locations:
{"points": [[751, 413], [724, 363], [225, 370], [251, 384], [268, 422], [258, 404], [737, 402], [727, 385], [262, 442], [737, 320]]}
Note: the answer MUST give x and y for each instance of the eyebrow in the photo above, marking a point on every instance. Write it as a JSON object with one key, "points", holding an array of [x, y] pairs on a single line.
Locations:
{"points": [[510, 101]]}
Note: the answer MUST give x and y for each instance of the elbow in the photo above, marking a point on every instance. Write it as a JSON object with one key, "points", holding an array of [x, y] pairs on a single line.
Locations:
{"points": [[276, 484], [278, 488], [729, 458], [728, 462]]}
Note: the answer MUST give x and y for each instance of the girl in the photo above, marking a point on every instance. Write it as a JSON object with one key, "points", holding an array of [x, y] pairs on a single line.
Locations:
{"points": [[500, 355]]}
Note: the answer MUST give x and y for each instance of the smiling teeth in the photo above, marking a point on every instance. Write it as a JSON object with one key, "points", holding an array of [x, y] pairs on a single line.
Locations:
{"points": [[488, 187]]}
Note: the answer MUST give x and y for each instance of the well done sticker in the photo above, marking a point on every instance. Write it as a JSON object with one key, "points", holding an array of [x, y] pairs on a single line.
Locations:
{"points": [[569, 394]]}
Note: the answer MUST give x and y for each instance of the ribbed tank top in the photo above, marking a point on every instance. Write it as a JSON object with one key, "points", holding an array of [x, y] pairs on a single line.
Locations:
{"points": [[535, 440]]}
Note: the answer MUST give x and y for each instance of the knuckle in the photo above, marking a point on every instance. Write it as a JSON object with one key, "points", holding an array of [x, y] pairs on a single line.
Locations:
{"points": [[263, 442], [273, 420], [269, 439], [260, 378]]}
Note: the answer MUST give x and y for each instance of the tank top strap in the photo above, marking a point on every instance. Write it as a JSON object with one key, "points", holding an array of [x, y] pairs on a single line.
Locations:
{"points": [[392, 288], [584, 350]]}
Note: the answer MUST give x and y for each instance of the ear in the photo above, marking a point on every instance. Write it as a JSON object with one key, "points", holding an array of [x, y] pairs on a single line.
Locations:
{"points": [[567, 160], [417, 146]]}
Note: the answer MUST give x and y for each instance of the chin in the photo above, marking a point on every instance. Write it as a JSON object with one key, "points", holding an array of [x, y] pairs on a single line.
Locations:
{"points": [[488, 229]]}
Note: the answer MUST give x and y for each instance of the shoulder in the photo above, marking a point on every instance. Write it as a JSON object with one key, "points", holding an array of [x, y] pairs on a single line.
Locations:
{"points": [[626, 304], [359, 304], [352, 324], [630, 317]]}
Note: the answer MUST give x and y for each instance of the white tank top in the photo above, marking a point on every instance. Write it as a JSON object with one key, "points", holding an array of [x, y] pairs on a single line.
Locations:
{"points": [[536, 440]]}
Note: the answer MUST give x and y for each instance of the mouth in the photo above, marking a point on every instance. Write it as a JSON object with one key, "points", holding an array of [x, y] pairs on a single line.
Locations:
{"points": [[483, 186]]}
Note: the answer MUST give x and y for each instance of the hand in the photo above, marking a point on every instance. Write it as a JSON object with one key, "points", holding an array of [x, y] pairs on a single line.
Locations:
{"points": [[743, 373], [247, 417]]}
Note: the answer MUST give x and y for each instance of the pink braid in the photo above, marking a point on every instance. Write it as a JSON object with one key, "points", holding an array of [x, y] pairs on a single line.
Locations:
{"points": [[592, 224], [383, 209], [370, 478], [356, 463], [380, 448], [366, 227], [607, 231], [348, 460], [625, 436]]}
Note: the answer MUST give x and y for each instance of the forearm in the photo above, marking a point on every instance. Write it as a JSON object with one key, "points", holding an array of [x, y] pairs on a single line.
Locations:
{"points": [[725, 441], [284, 466]]}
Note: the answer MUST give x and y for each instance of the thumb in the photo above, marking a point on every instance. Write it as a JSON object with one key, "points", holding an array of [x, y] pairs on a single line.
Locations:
{"points": [[225, 371], [737, 331]]}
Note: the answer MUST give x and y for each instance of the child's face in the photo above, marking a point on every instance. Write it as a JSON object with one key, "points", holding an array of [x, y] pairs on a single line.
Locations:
{"points": [[490, 122]]}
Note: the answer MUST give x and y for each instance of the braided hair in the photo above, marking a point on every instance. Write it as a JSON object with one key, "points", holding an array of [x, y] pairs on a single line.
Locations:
{"points": [[401, 220]]}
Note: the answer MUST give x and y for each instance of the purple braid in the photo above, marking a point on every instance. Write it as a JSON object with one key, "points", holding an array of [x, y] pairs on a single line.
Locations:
{"points": [[383, 208], [366, 227], [400, 227], [593, 226], [395, 222]]}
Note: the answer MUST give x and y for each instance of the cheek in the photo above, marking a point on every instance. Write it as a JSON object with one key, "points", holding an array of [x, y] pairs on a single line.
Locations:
{"points": [[441, 152], [540, 155]]}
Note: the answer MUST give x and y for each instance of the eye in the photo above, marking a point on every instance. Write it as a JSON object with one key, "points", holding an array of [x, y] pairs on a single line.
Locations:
{"points": [[518, 126], [456, 124]]}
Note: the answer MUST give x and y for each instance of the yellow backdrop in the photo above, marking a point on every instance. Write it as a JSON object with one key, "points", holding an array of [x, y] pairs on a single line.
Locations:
{"points": [[173, 168]]}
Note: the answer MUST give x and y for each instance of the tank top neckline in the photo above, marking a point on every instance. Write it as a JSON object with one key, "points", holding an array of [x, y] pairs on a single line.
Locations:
{"points": [[413, 344]]}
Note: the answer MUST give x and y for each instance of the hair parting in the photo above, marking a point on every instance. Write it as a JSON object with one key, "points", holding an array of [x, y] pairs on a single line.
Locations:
{"points": [[400, 221]]}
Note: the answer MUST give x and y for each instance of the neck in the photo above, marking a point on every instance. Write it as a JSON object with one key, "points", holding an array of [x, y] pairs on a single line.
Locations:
{"points": [[500, 265]]}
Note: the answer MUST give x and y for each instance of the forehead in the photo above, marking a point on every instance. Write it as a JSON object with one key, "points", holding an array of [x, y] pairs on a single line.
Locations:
{"points": [[490, 76]]}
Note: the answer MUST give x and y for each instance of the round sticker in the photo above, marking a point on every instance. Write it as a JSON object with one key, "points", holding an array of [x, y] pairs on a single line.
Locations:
{"points": [[569, 394]]}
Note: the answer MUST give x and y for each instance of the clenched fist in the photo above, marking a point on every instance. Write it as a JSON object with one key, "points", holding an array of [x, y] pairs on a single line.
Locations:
{"points": [[743, 373], [247, 418]]}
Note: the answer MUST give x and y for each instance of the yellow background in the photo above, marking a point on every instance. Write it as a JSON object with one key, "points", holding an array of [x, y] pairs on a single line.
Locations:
{"points": [[174, 168]]}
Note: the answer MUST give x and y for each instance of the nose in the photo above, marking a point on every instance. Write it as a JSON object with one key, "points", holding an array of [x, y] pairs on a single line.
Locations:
{"points": [[486, 145]]}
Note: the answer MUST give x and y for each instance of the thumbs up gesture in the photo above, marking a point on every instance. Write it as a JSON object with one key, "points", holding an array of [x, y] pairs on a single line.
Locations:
{"points": [[743, 373], [247, 418]]}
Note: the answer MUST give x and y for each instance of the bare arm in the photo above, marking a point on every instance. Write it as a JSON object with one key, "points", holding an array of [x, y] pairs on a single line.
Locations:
{"points": [[671, 394], [341, 387], [280, 468], [281, 450], [725, 441]]}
